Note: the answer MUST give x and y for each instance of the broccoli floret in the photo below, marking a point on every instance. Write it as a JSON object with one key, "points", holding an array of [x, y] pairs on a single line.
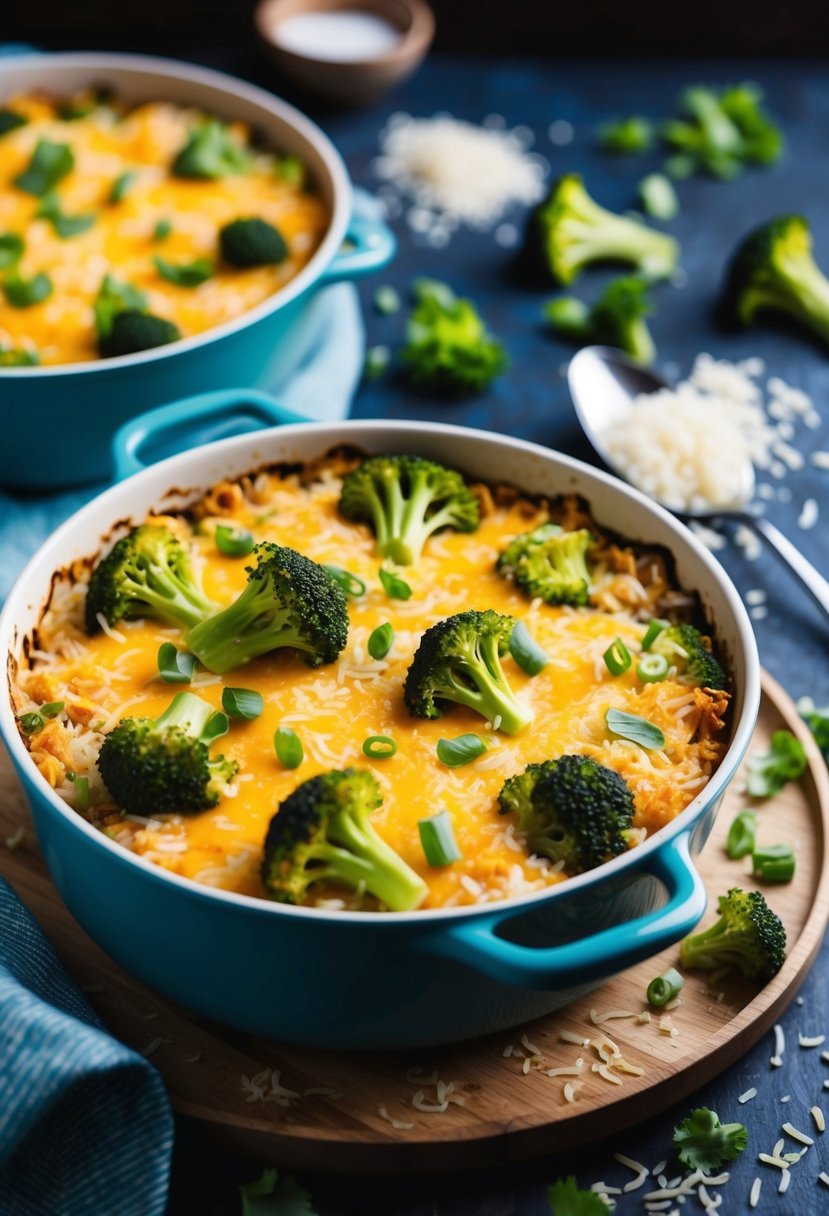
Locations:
{"points": [[133, 331], [289, 601], [459, 659], [703, 1143], [164, 765], [626, 136], [574, 231], [616, 319], [405, 499], [322, 832], [571, 809], [748, 936], [146, 573], [252, 242], [773, 271], [724, 130], [210, 152], [690, 652], [448, 347], [550, 564]]}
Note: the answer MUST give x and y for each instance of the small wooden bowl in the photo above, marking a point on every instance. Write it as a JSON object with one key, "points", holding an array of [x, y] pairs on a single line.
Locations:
{"points": [[353, 81]]}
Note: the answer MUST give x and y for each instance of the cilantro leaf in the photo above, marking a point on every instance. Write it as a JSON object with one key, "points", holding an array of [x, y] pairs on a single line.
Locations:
{"points": [[703, 1143], [566, 1199], [785, 761], [211, 152], [271, 1195]]}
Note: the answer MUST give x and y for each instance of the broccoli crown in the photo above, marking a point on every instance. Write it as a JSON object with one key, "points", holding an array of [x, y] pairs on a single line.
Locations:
{"points": [[773, 270], [459, 659], [133, 331], [289, 601], [406, 499], [210, 152], [690, 652], [616, 319], [575, 231], [724, 130], [448, 347], [252, 242], [571, 809], [322, 832], [146, 573], [550, 564], [162, 766], [748, 936]]}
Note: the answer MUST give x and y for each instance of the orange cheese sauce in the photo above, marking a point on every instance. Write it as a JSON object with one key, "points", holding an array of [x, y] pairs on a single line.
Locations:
{"points": [[334, 709], [120, 242]]}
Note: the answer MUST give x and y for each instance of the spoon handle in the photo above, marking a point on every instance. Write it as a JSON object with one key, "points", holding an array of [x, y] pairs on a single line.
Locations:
{"points": [[812, 580]]}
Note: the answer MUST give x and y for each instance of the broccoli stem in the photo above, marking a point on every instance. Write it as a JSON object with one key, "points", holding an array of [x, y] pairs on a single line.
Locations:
{"points": [[365, 858], [408, 529], [175, 602], [620, 239], [808, 295], [487, 691], [189, 712], [249, 627]]}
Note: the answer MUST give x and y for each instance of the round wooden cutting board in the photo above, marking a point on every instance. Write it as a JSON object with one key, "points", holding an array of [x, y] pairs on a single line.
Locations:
{"points": [[354, 1113]]}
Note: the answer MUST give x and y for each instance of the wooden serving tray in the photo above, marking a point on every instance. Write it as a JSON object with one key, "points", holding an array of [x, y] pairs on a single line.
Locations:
{"points": [[507, 1114]]}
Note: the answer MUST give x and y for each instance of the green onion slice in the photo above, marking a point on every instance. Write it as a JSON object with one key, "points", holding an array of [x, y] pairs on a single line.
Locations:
{"points": [[437, 836], [652, 668], [121, 186], [349, 583], [175, 666], [775, 863], [665, 987], [217, 726], [634, 729], [185, 274], [162, 230], [742, 835], [11, 249], [233, 542], [51, 709], [617, 658], [31, 723], [381, 641], [527, 653], [655, 626], [82, 788], [288, 747], [23, 293], [455, 752], [379, 747], [244, 703], [395, 587]]}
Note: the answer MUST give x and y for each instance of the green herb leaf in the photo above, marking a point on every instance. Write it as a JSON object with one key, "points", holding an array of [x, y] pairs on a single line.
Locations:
{"points": [[395, 587], [437, 836], [381, 641], [244, 703], [185, 274], [64, 225], [11, 249], [634, 729], [175, 666], [122, 186], [217, 726], [162, 230], [234, 542], [23, 293], [741, 835], [52, 708], [527, 653], [665, 987], [113, 298], [50, 162], [211, 152], [348, 583], [460, 750], [379, 747], [271, 1195], [703, 1143], [288, 747], [774, 863], [566, 1199], [785, 761], [10, 120]]}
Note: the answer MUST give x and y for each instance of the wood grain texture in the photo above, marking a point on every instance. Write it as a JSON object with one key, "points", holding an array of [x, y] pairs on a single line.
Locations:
{"points": [[507, 1115]]}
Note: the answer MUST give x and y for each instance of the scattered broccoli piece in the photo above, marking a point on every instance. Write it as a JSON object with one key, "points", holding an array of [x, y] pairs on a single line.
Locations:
{"points": [[163, 765], [49, 163], [725, 130], [659, 197], [748, 936], [322, 832], [703, 1143], [773, 270], [565, 1199], [625, 136], [459, 659], [690, 652], [405, 499], [574, 231], [252, 242], [134, 331], [146, 573], [272, 1195], [818, 722], [616, 319], [210, 152], [784, 761], [571, 809], [448, 346], [289, 601], [549, 563]]}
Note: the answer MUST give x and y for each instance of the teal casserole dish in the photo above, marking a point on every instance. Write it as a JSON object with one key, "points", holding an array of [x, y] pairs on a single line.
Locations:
{"points": [[365, 980], [58, 421]]}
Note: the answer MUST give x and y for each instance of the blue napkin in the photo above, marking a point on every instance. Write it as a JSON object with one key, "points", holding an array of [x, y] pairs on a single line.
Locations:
{"points": [[85, 1127]]}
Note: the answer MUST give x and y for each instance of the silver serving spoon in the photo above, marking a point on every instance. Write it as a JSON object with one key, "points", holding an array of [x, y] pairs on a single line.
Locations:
{"points": [[603, 384]]}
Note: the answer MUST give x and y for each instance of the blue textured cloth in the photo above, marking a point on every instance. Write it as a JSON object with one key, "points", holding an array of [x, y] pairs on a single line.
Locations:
{"points": [[85, 1127]]}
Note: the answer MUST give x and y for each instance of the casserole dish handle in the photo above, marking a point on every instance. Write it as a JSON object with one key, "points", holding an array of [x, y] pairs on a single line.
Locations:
{"points": [[476, 942], [368, 245], [194, 420]]}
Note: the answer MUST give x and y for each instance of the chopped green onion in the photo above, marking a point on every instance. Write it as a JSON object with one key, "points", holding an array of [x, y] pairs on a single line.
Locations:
{"points": [[386, 301], [665, 987], [288, 747], [437, 836], [395, 587], [655, 627], [292, 170], [11, 249], [121, 186], [652, 668], [742, 835], [217, 726], [82, 787], [49, 163], [349, 583], [30, 724], [381, 641], [617, 658], [379, 747], [175, 666], [233, 542], [185, 274], [64, 225], [527, 653], [376, 361], [242, 703], [775, 863], [455, 752], [23, 293], [162, 230], [659, 196], [10, 120], [634, 729], [52, 708]]}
